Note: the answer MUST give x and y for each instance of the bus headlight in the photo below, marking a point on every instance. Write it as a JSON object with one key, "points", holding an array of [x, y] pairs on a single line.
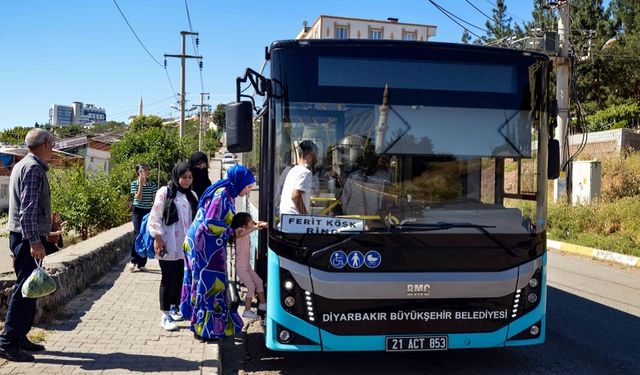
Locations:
{"points": [[533, 282], [289, 301], [289, 285], [284, 335], [533, 298], [534, 330]]}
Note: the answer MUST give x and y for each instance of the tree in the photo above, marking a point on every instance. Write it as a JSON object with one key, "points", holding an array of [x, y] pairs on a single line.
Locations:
{"points": [[466, 37], [542, 19], [626, 15], [145, 122], [68, 131], [211, 141], [220, 117], [14, 136], [594, 27], [107, 127], [158, 147], [88, 203], [500, 25]]}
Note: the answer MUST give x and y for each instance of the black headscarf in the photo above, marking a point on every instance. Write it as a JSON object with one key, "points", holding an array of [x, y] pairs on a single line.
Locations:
{"points": [[201, 179], [170, 214]]}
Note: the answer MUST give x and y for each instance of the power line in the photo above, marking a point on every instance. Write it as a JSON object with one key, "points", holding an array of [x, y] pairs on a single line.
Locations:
{"points": [[173, 91], [478, 9], [446, 13], [496, 5], [147, 106], [136, 35], [195, 45]]}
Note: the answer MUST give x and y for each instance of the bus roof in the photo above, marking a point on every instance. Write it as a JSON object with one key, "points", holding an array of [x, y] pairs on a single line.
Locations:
{"points": [[385, 43]]}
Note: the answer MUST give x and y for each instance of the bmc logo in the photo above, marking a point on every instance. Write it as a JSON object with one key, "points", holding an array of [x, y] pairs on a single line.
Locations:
{"points": [[418, 290]]}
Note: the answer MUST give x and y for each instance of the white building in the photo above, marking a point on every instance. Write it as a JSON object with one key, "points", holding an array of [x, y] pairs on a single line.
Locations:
{"points": [[77, 114], [98, 159], [332, 27]]}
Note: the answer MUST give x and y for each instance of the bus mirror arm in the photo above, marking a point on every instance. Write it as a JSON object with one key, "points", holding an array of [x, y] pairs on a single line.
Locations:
{"points": [[259, 83]]}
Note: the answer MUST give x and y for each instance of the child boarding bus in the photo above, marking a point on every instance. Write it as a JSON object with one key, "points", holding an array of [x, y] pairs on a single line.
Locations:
{"points": [[426, 222]]}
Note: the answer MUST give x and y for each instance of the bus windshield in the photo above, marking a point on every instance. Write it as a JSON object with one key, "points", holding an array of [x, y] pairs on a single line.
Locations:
{"points": [[396, 156]]}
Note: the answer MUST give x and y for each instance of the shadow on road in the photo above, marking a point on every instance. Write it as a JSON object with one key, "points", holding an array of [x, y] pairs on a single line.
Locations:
{"points": [[122, 361]]}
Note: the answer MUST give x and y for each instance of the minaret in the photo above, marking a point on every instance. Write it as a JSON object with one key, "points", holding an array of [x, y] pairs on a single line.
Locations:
{"points": [[140, 112], [382, 127]]}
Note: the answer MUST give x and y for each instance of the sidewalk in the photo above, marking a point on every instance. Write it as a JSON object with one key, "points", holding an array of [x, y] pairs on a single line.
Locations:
{"points": [[113, 327], [607, 256]]}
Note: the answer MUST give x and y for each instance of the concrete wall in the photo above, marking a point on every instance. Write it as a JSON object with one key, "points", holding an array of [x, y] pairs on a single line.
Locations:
{"points": [[607, 143], [75, 267]]}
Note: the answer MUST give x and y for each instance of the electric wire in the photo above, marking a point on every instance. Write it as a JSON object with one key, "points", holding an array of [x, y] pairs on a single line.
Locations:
{"points": [[136, 35], [123, 113], [446, 13], [195, 46], [507, 11], [173, 91], [478, 9]]}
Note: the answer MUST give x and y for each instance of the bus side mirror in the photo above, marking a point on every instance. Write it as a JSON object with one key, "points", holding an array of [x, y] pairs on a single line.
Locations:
{"points": [[239, 124], [553, 165]]}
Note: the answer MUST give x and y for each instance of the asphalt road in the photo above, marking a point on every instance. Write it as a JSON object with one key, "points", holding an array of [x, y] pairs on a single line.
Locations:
{"points": [[593, 316]]}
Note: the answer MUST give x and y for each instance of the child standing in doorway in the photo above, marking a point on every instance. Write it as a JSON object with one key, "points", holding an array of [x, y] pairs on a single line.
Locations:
{"points": [[243, 225]]}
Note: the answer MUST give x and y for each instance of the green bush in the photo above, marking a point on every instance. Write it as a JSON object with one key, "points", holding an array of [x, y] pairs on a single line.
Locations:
{"points": [[89, 203], [613, 226], [614, 117], [158, 147]]}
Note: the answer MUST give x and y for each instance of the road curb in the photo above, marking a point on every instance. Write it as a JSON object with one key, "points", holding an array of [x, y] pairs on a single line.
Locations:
{"points": [[609, 256]]}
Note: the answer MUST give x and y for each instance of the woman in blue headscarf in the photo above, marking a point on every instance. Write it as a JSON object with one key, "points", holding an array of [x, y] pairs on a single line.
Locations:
{"points": [[204, 288]]}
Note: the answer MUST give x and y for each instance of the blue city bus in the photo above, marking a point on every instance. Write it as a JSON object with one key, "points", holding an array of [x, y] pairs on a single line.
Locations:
{"points": [[426, 223]]}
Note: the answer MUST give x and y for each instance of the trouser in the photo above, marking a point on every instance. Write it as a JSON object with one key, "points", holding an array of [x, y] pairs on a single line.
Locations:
{"points": [[136, 217], [21, 311], [251, 280], [171, 283]]}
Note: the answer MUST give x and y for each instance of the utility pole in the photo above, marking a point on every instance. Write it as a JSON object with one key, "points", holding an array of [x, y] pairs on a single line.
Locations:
{"points": [[562, 95], [201, 128], [183, 58]]}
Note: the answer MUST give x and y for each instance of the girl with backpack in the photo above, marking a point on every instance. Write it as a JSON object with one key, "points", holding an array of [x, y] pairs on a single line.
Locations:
{"points": [[173, 211]]}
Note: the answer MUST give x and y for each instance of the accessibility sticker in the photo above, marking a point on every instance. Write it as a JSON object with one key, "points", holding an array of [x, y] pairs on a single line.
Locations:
{"points": [[355, 259], [372, 259], [338, 259]]}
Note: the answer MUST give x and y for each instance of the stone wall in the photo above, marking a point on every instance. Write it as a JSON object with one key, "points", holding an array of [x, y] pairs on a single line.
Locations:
{"points": [[75, 267]]}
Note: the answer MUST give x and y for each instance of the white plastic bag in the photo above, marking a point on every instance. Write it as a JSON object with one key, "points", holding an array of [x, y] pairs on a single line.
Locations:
{"points": [[38, 284]]}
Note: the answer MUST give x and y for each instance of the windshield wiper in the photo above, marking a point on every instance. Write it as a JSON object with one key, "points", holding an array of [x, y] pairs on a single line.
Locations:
{"points": [[445, 226]]}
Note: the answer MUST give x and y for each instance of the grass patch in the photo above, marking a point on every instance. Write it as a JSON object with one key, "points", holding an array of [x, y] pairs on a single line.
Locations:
{"points": [[613, 226]]}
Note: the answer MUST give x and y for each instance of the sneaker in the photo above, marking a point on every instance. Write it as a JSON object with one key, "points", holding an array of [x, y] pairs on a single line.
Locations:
{"points": [[168, 323], [262, 306], [249, 315], [142, 269], [175, 314], [132, 267], [15, 355]]}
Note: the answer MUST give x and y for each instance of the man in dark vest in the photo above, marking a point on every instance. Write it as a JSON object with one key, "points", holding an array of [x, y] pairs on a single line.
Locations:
{"points": [[29, 224]]}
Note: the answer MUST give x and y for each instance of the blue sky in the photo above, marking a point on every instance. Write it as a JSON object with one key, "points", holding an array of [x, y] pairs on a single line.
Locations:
{"points": [[65, 51]]}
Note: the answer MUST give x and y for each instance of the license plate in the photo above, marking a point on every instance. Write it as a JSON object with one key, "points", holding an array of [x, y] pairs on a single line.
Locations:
{"points": [[416, 343]]}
